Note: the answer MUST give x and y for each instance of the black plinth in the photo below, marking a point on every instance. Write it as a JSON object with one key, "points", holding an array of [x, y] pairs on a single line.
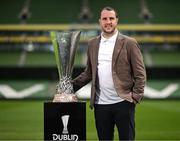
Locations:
{"points": [[65, 121]]}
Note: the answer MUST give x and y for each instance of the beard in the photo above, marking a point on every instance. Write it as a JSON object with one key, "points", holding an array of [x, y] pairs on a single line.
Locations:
{"points": [[106, 30]]}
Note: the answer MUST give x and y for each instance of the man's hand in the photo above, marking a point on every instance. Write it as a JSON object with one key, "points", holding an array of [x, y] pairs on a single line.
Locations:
{"points": [[133, 100]]}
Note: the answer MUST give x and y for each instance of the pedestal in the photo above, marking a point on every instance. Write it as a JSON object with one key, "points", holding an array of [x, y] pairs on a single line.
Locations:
{"points": [[65, 121]]}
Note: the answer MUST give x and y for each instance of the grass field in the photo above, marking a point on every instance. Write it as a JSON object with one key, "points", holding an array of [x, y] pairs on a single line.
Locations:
{"points": [[155, 120]]}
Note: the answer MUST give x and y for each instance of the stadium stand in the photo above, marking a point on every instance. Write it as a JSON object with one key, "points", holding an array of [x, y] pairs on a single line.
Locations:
{"points": [[47, 11], [25, 42], [29, 45]]}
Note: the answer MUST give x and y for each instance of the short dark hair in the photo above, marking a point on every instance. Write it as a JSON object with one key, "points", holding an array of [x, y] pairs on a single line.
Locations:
{"points": [[108, 8]]}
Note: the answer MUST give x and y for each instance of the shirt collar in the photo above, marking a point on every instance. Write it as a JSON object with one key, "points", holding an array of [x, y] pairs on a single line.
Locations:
{"points": [[111, 39]]}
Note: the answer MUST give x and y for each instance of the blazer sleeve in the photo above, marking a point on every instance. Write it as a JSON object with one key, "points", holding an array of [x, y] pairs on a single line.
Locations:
{"points": [[138, 69], [85, 77]]}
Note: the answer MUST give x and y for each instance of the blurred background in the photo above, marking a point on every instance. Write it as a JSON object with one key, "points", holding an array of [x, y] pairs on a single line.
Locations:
{"points": [[28, 72]]}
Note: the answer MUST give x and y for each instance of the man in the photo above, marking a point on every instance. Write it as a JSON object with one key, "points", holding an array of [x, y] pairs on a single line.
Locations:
{"points": [[115, 67]]}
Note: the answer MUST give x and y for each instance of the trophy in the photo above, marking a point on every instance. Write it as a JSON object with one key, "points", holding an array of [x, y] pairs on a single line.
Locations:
{"points": [[65, 45]]}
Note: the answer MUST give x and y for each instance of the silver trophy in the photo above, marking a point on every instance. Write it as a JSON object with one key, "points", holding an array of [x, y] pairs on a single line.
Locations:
{"points": [[65, 45]]}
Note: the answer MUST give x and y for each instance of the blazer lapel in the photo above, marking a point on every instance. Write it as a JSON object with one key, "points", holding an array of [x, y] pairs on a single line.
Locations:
{"points": [[118, 46], [96, 50], [95, 53]]}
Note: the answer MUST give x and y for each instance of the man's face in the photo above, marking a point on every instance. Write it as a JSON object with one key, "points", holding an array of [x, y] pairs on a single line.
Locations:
{"points": [[108, 21]]}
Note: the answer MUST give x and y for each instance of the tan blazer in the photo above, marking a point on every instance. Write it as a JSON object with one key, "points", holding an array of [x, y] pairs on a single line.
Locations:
{"points": [[128, 71]]}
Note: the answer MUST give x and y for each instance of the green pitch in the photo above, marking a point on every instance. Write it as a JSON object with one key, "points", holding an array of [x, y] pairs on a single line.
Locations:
{"points": [[155, 120]]}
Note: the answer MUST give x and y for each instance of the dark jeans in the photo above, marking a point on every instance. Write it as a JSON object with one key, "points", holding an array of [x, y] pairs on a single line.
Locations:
{"points": [[121, 114]]}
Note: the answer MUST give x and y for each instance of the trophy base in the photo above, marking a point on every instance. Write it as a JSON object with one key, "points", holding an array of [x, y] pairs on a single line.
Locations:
{"points": [[65, 98], [53, 122]]}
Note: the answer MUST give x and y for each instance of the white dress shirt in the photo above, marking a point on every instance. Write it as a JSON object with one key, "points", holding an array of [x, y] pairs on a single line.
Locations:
{"points": [[105, 92]]}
